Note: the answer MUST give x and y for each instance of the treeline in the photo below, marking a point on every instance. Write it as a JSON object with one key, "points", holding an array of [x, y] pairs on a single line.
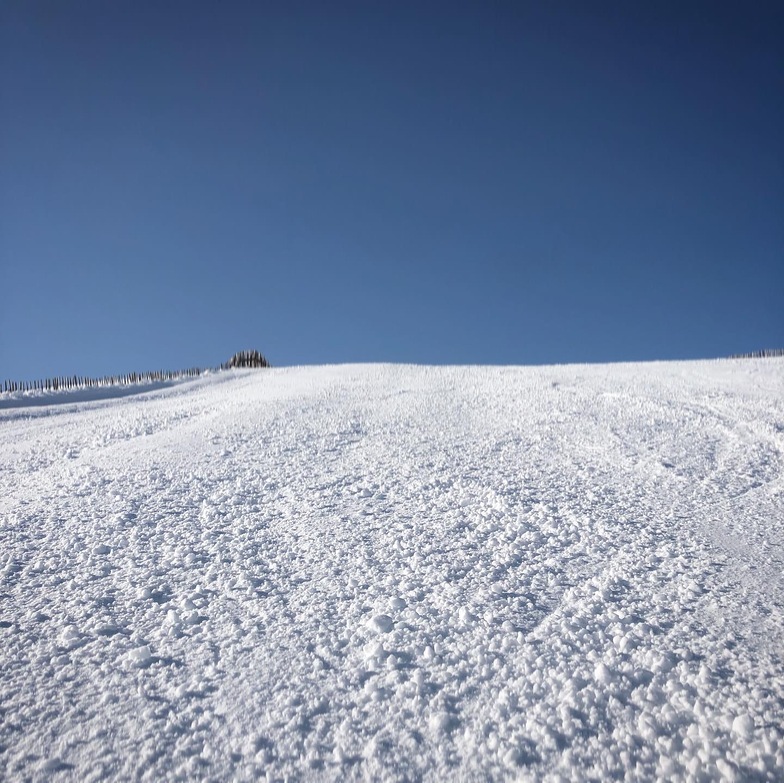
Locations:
{"points": [[245, 359], [766, 353], [65, 382]]}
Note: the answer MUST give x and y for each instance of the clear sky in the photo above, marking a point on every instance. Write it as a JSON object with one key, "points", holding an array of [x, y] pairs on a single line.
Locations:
{"points": [[488, 182]]}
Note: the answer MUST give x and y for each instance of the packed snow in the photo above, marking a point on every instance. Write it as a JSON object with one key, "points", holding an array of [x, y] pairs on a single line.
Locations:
{"points": [[398, 573]]}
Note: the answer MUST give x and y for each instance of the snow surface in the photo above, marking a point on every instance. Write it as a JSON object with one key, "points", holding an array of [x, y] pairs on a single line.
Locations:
{"points": [[398, 573]]}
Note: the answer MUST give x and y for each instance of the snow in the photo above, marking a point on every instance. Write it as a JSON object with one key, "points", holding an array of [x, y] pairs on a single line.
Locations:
{"points": [[398, 573]]}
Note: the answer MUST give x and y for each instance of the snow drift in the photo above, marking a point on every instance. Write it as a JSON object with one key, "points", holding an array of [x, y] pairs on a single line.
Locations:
{"points": [[398, 573]]}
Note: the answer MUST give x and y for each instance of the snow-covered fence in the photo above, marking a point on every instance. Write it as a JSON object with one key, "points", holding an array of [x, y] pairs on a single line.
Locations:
{"points": [[65, 382], [763, 354]]}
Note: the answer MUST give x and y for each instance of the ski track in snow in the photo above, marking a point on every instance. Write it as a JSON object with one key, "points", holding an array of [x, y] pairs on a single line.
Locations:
{"points": [[398, 573]]}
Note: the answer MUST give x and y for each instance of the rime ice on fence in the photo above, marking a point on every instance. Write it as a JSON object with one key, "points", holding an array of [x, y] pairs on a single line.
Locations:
{"points": [[60, 383], [765, 353]]}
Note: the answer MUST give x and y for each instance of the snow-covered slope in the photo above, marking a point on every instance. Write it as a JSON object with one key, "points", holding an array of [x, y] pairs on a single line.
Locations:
{"points": [[398, 573]]}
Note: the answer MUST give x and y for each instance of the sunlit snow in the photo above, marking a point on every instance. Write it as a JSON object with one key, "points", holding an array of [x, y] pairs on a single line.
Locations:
{"points": [[397, 573]]}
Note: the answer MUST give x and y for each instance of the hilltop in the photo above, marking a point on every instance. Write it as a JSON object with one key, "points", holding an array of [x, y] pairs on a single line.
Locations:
{"points": [[399, 573]]}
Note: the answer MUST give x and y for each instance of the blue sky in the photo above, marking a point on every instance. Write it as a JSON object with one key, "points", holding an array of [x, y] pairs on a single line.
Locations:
{"points": [[455, 182]]}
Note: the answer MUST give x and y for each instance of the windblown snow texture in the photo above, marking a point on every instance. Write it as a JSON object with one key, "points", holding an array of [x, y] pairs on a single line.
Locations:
{"points": [[398, 573]]}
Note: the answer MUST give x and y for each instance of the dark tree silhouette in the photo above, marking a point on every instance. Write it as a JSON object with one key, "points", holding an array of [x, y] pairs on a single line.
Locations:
{"points": [[246, 359]]}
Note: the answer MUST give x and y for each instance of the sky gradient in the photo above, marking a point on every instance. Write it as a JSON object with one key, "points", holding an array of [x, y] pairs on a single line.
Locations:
{"points": [[494, 183]]}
